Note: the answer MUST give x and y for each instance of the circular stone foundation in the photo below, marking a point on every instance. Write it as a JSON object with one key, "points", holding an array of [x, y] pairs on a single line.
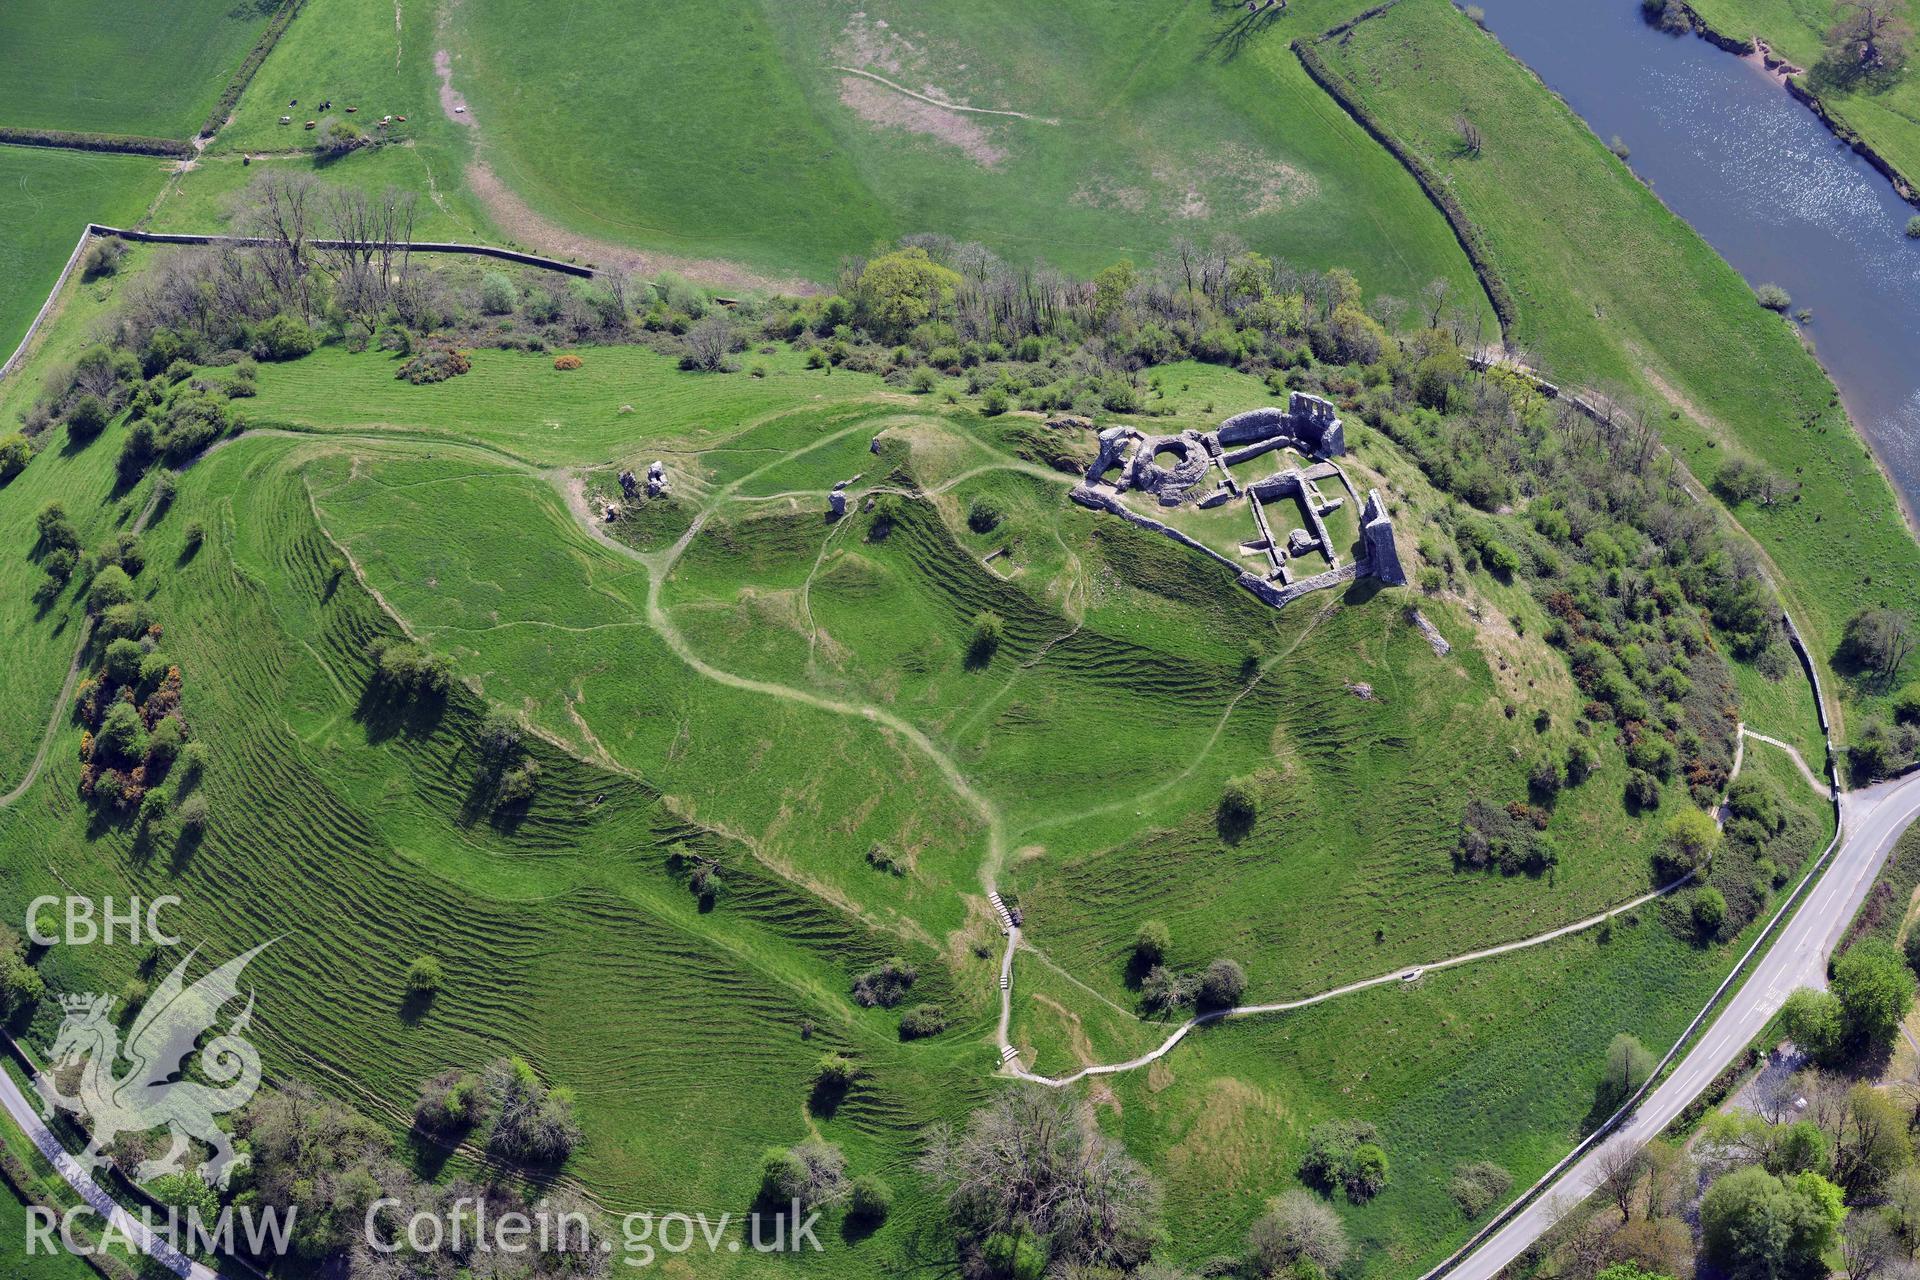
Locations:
{"points": [[1170, 465]]}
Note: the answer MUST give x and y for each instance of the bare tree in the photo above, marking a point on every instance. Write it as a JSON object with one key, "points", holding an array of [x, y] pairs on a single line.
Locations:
{"points": [[1620, 1165], [1299, 1225], [1388, 309], [1867, 1244], [281, 210], [1030, 1159], [1471, 139], [709, 342], [1433, 297], [1870, 38], [1668, 1171], [367, 250]]}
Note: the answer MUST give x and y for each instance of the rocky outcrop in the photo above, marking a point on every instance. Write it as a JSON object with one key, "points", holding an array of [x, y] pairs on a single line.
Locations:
{"points": [[1439, 642]]}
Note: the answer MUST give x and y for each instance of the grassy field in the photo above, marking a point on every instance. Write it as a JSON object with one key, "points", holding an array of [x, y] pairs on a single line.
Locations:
{"points": [[1885, 113], [59, 1265], [736, 132], [129, 67], [46, 198], [82, 481], [1613, 289], [518, 403]]}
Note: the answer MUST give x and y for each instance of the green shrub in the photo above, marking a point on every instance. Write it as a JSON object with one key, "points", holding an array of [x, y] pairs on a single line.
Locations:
{"points": [[121, 736], [1875, 989], [1582, 760], [15, 452], [1345, 1154], [424, 976], [1642, 790], [497, 294], [989, 629], [55, 529], [193, 761], [1687, 843], [20, 983], [1151, 943], [1367, 1171], [1773, 297], [922, 1020], [283, 337], [451, 1100], [1479, 1186], [882, 858], [1913, 227], [192, 814], [517, 785], [164, 743], [1222, 985], [407, 670], [885, 985], [86, 418], [111, 586], [433, 364], [1709, 911], [870, 1200], [337, 137], [123, 661], [983, 516], [1238, 804]]}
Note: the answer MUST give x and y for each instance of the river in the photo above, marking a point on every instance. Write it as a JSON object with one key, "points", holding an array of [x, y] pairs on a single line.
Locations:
{"points": [[1764, 182]]}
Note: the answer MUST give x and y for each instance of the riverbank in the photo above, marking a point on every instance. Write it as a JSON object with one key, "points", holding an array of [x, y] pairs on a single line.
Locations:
{"points": [[1621, 276], [1794, 80]]}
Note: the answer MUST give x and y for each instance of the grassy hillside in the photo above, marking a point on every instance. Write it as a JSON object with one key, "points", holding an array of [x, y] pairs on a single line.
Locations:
{"points": [[1614, 290], [129, 67], [46, 198], [1499, 1063], [567, 935], [727, 675], [1884, 111]]}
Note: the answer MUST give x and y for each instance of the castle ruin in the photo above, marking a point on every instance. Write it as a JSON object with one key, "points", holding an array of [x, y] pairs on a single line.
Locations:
{"points": [[1195, 467]]}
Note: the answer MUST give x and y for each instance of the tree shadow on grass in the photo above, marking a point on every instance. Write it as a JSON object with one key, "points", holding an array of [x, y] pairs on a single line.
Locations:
{"points": [[826, 1098], [1233, 823], [386, 715], [1607, 1098], [414, 1006], [1239, 27], [185, 845], [427, 1153]]}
